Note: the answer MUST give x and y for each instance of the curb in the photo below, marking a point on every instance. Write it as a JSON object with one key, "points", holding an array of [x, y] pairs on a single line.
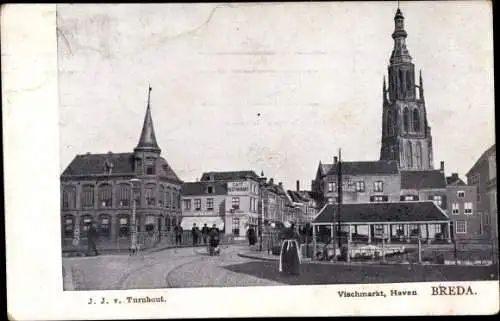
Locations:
{"points": [[249, 256]]}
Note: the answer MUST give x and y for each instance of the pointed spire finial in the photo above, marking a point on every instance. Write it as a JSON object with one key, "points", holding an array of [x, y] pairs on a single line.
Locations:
{"points": [[149, 94], [147, 140]]}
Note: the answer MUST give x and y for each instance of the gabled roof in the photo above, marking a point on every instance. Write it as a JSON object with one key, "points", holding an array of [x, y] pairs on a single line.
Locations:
{"points": [[454, 181], [325, 168], [300, 196], [228, 176], [382, 167], [200, 188], [482, 158], [420, 211], [423, 179], [122, 163]]}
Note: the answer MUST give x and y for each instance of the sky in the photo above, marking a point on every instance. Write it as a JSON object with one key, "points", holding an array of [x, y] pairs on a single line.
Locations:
{"points": [[269, 87]]}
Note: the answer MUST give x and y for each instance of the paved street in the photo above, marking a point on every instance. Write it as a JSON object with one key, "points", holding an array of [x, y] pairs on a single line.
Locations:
{"points": [[192, 267]]}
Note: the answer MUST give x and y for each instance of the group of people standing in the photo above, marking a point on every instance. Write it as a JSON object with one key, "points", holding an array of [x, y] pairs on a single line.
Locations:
{"points": [[197, 235]]}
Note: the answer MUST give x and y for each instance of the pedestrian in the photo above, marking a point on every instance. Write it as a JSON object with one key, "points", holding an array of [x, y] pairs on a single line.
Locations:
{"points": [[194, 234], [214, 235], [290, 257], [178, 234], [91, 240], [251, 236], [204, 233]]}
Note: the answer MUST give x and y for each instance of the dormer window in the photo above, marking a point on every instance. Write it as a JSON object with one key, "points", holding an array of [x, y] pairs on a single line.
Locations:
{"points": [[150, 170], [108, 167], [210, 190]]}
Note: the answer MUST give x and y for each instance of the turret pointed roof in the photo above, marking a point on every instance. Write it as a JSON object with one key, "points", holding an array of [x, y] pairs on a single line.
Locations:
{"points": [[147, 140]]}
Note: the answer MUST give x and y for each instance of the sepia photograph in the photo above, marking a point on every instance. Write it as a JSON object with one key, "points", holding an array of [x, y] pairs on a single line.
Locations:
{"points": [[274, 145]]}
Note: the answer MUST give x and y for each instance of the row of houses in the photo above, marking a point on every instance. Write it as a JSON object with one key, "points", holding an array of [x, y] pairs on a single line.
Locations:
{"points": [[399, 195], [108, 190]]}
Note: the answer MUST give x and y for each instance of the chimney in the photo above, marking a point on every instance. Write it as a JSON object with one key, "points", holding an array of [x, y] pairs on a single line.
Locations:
{"points": [[441, 168], [280, 184], [298, 185], [454, 176], [335, 160], [271, 181]]}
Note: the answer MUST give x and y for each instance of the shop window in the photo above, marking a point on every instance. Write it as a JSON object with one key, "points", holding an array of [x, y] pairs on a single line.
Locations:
{"points": [[123, 227], [236, 226], [105, 226], [69, 226], [460, 227]]}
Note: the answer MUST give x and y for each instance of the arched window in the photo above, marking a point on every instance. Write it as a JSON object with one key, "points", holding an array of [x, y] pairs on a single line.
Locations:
{"points": [[161, 197], [409, 155], [390, 123], [406, 119], [105, 192], [408, 81], [105, 225], [123, 194], [69, 197], [168, 223], [401, 83], [416, 120], [168, 198], [418, 154], [85, 223], [87, 197], [69, 226], [123, 225], [150, 190]]}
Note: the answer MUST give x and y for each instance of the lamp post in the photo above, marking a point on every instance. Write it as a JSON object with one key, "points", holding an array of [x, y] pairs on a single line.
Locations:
{"points": [[133, 238], [339, 198]]}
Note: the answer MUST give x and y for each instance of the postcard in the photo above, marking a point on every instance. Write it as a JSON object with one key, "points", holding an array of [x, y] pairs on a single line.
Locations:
{"points": [[249, 160]]}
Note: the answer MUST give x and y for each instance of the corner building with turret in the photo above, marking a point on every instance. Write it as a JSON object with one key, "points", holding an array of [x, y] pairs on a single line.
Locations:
{"points": [[99, 189]]}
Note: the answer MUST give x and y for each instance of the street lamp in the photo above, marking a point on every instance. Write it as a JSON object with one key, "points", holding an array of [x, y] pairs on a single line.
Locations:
{"points": [[133, 237]]}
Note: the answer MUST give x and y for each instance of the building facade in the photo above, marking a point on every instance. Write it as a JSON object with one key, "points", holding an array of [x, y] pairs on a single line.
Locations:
{"points": [[97, 189], [482, 175], [203, 203], [466, 221], [406, 135], [241, 200], [362, 182]]}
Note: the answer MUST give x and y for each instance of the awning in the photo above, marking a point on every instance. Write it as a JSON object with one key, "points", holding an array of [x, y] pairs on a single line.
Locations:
{"points": [[187, 222]]}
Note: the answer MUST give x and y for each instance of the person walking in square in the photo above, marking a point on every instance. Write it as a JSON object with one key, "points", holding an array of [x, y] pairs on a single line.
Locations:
{"points": [[204, 233], [91, 240], [290, 255], [178, 234], [194, 234]]}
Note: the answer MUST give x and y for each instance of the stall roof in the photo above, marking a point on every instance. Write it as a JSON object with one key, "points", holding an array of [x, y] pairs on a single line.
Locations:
{"points": [[417, 211]]}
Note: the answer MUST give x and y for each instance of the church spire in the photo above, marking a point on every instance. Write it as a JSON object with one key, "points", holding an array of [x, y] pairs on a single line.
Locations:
{"points": [[147, 140], [399, 53], [384, 90], [421, 86]]}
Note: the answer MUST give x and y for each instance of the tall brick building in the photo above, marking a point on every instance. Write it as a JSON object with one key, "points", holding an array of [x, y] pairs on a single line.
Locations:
{"points": [[97, 188]]}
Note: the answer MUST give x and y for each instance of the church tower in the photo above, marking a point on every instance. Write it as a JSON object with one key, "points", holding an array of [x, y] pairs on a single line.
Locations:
{"points": [[406, 136], [147, 150]]}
